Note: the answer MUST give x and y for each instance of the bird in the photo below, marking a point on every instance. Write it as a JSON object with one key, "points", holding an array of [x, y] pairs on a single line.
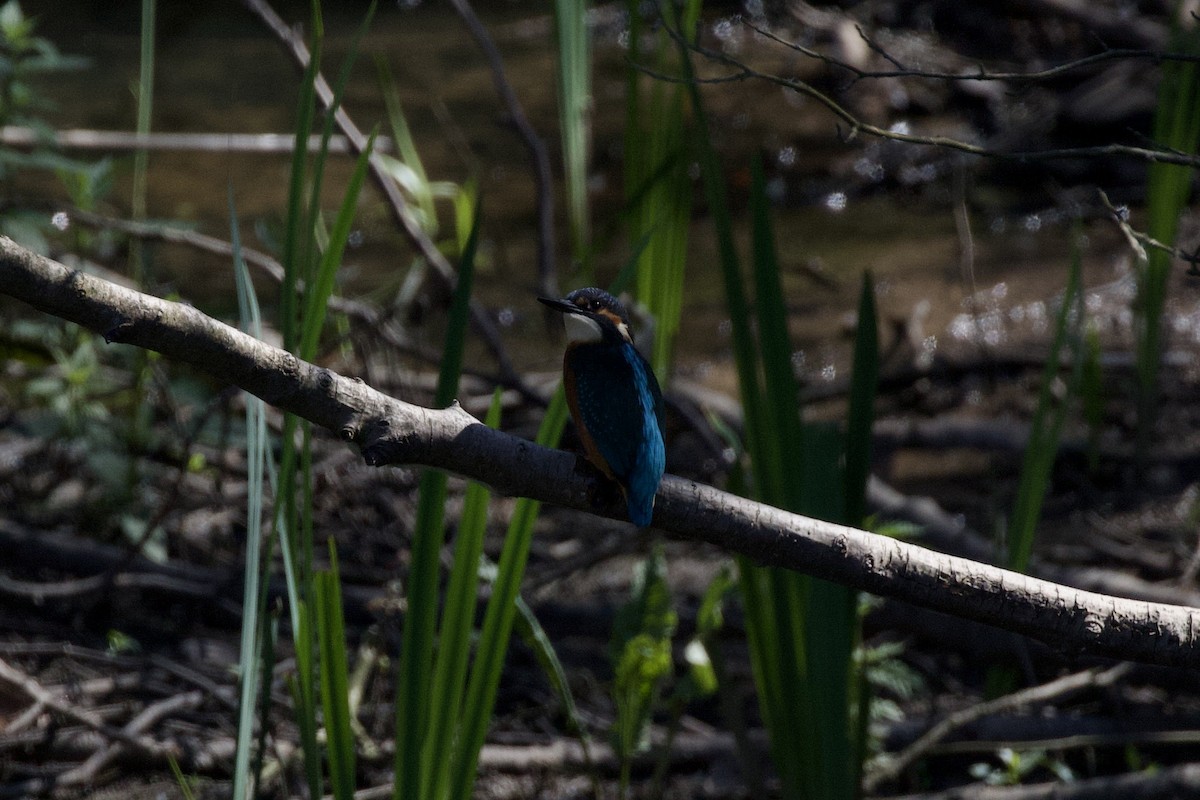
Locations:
{"points": [[614, 398]]}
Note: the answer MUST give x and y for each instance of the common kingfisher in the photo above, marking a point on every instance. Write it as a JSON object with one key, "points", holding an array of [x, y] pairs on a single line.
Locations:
{"points": [[614, 397]]}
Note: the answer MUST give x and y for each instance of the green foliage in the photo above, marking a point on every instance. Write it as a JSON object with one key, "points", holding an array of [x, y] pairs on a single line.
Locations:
{"points": [[640, 650], [416, 655], [801, 632], [574, 115], [1091, 390], [82, 393], [335, 691], [888, 682], [23, 55], [144, 92], [1041, 452], [182, 781], [701, 679], [538, 641], [498, 620], [1176, 128], [1054, 398], [255, 636], [408, 170], [456, 633], [121, 643], [75, 389], [311, 258], [1018, 765], [658, 189]]}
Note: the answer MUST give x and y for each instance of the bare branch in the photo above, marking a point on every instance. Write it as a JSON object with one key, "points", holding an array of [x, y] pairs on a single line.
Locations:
{"points": [[857, 126], [1047, 692], [87, 139], [62, 705], [392, 432], [977, 74], [1139, 241], [482, 323]]}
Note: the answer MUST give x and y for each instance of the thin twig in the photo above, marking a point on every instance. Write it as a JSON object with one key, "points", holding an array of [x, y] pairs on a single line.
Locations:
{"points": [[40, 694], [145, 719], [858, 126], [1139, 241], [1047, 692], [977, 74]]}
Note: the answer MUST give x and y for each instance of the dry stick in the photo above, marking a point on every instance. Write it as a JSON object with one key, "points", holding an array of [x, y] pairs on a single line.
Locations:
{"points": [[1166, 784], [547, 275], [74, 139], [39, 694], [1138, 241], [424, 245], [1066, 685], [146, 719], [389, 431], [184, 236]]}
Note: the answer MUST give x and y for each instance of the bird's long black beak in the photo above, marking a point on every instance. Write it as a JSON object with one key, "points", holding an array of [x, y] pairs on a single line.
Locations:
{"points": [[559, 305]]}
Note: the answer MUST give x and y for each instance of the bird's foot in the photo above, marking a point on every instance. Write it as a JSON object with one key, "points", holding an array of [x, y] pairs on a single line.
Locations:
{"points": [[603, 492]]}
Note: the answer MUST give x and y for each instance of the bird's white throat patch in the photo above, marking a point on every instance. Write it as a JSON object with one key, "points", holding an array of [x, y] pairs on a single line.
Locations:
{"points": [[582, 329]]}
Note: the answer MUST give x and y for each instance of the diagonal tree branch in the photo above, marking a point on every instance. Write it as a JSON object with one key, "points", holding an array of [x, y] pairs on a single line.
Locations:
{"points": [[483, 324], [392, 432]]}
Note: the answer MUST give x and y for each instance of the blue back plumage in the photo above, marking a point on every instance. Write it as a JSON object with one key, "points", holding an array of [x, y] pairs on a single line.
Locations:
{"points": [[618, 404]]}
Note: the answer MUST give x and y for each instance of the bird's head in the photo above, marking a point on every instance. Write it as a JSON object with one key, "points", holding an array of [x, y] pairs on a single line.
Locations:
{"points": [[593, 315]]}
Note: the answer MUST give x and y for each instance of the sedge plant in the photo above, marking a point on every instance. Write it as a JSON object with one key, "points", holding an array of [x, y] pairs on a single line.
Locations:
{"points": [[1176, 128], [658, 189], [311, 256], [801, 630]]}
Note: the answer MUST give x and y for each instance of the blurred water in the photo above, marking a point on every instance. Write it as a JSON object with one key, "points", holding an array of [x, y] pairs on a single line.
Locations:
{"points": [[218, 71]]}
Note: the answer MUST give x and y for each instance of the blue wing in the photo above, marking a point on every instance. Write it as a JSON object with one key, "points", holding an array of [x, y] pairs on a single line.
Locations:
{"points": [[619, 405]]}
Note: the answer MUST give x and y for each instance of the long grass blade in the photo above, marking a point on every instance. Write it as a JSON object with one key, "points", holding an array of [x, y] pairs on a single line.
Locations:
{"points": [[141, 156], [796, 747], [406, 148], [335, 688], [257, 443], [1176, 128], [298, 227], [538, 641], [658, 187], [770, 606], [317, 169], [1053, 400], [449, 677], [321, 289], [416, 656], [860, 419], [498, 619], [574, 104]]}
